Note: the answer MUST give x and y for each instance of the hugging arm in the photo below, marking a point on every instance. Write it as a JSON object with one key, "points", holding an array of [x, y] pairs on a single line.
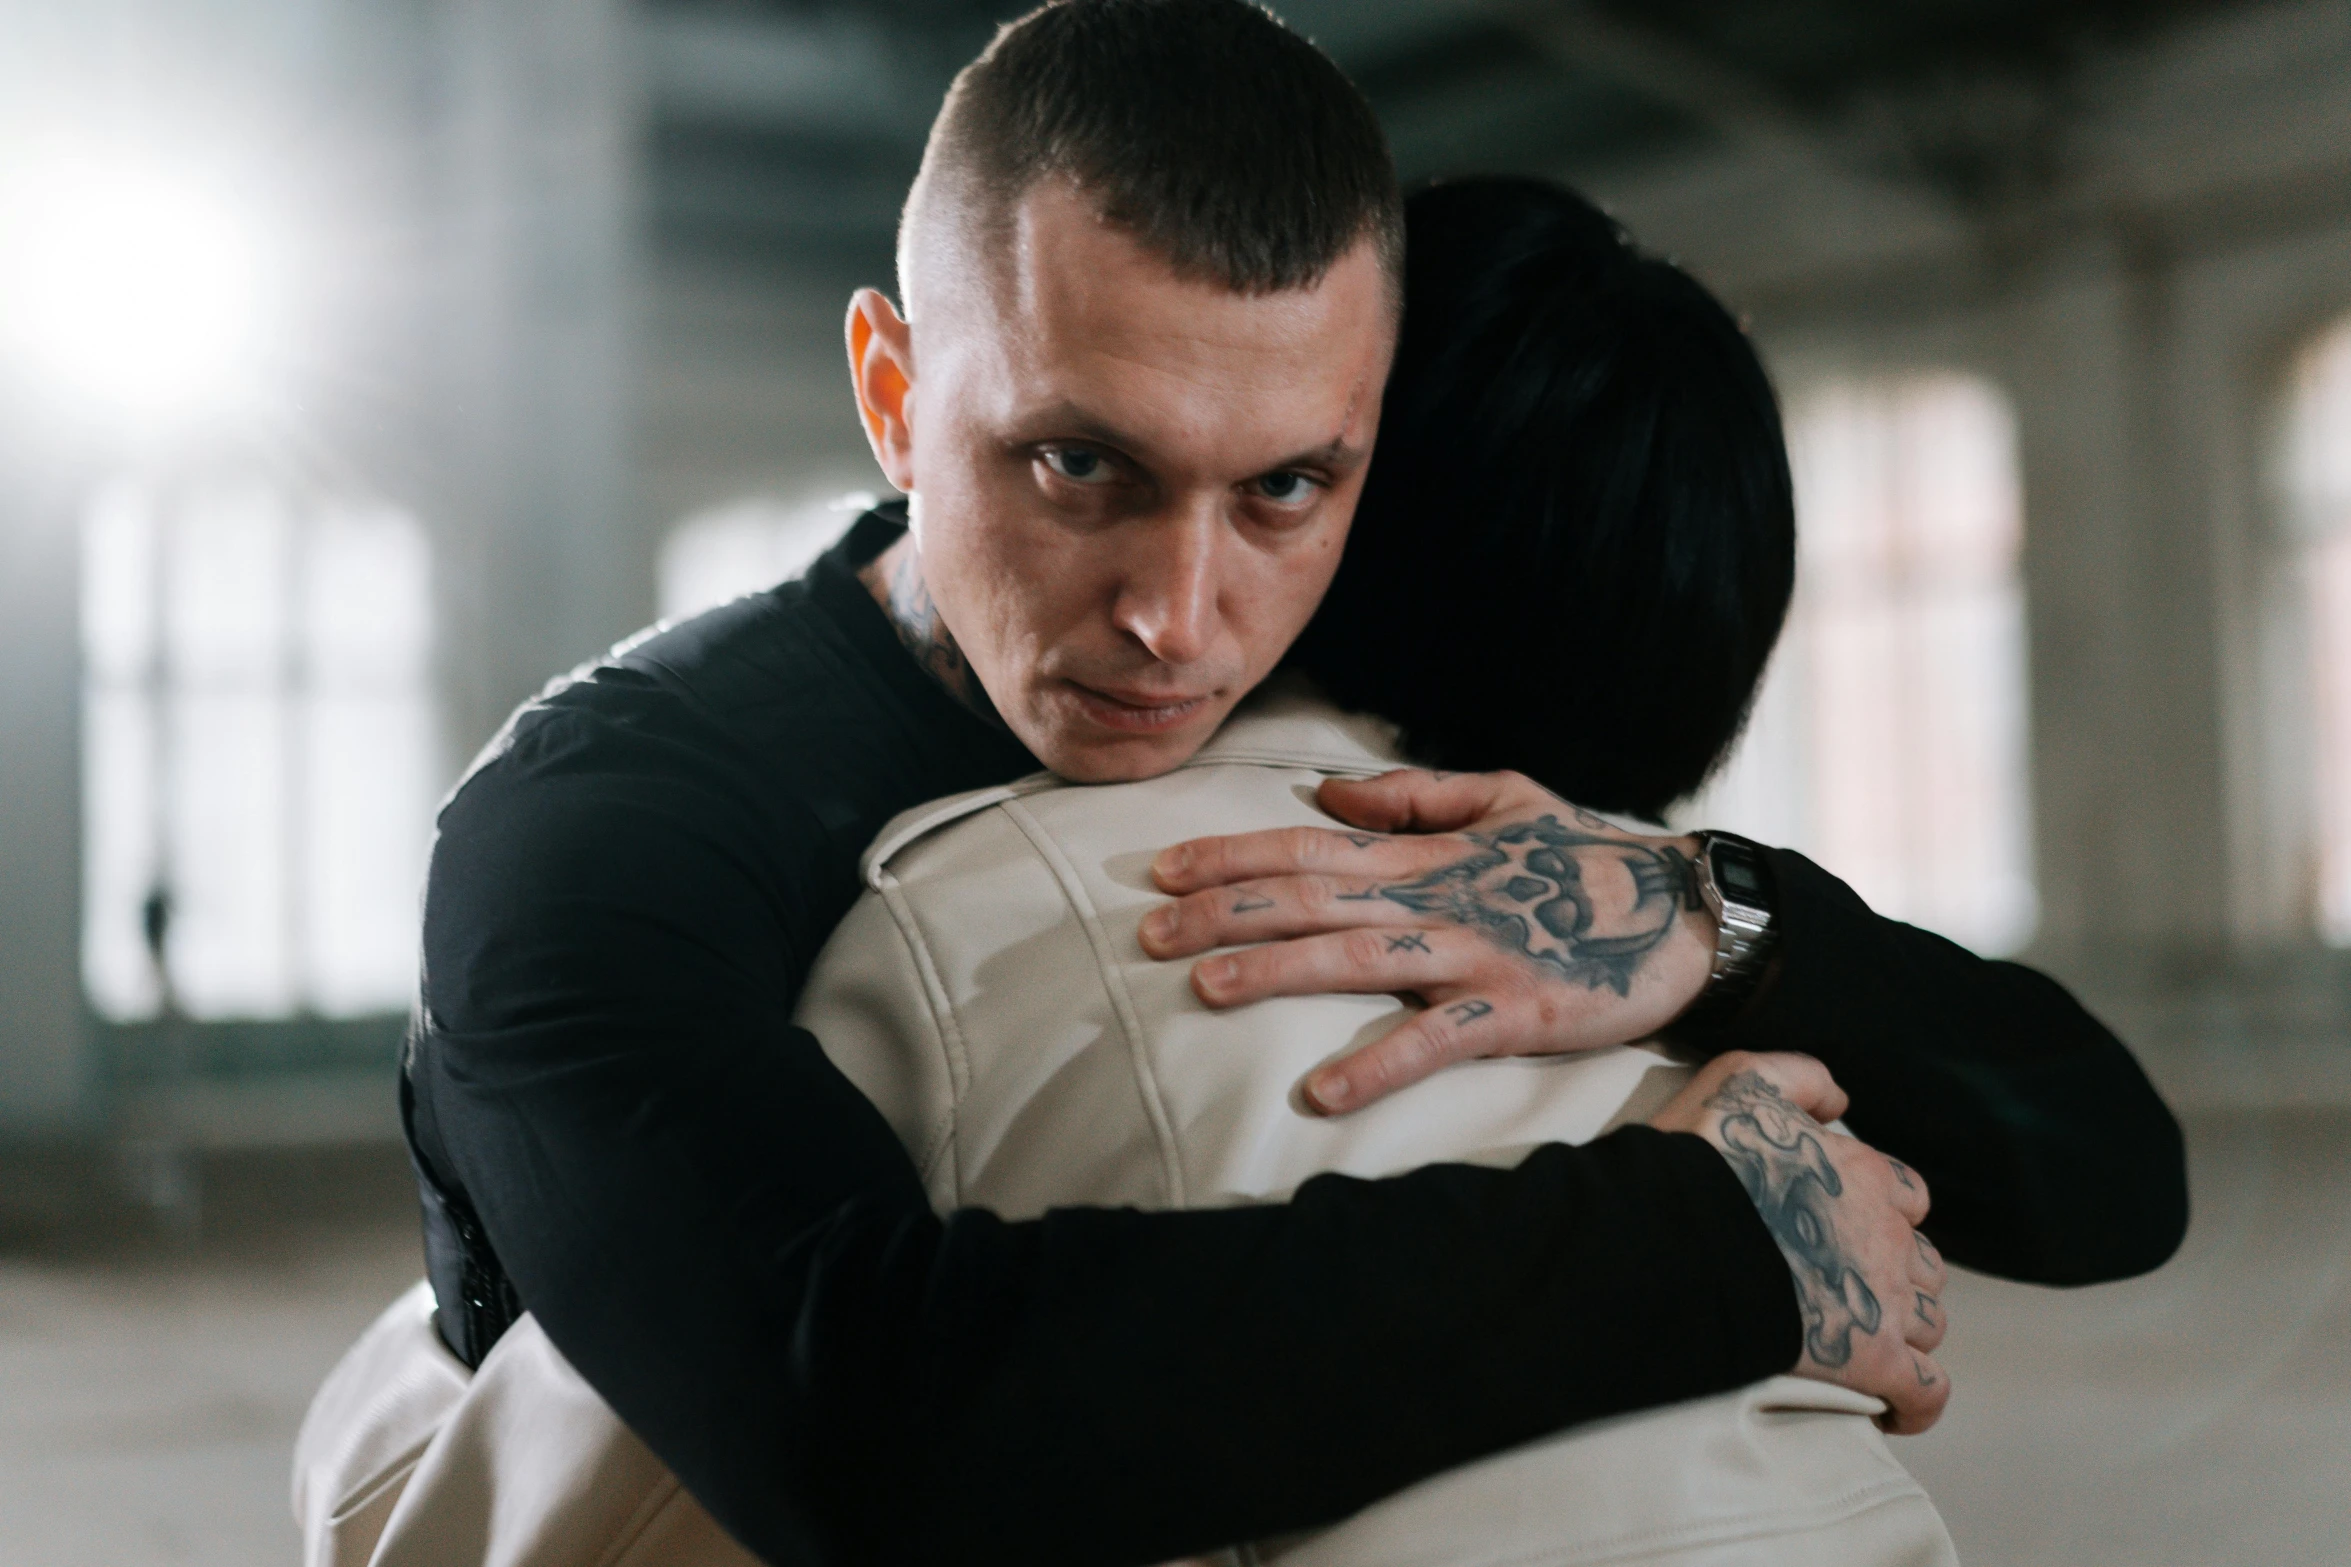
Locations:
{"points": [[2051, 1156], [731, 1246]]}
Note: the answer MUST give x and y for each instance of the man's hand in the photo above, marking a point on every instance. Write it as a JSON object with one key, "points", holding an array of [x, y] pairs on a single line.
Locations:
{"points": [[1846, 1216], [1524, 925]]}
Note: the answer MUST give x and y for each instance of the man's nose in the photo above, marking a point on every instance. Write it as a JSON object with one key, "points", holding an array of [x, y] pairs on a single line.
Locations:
{"points": [[1168, 600]]}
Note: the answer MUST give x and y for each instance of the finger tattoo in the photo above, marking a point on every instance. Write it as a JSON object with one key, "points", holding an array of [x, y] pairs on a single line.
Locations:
{"points": [[1409, 942], [1244, 904], [1468, 1011]]}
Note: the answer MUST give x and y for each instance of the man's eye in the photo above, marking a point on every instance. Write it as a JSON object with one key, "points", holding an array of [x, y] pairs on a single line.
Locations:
{"points": [[1286, 488], [1077, 464]]}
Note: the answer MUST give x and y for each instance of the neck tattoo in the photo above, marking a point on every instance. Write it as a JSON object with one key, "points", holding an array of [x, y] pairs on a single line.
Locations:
{"points": [[895, 579]]}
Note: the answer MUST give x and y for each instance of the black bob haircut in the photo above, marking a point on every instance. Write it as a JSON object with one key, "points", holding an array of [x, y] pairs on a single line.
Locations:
{"points": [[1577, 542], [1226, 143]]}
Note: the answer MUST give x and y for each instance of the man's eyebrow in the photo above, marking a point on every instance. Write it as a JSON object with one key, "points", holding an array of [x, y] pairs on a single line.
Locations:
{"points": [[1335, 453], [1068, 419]]}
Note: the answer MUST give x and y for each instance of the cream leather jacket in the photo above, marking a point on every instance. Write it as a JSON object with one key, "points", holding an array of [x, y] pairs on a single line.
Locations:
{"points": [[989, 995]]}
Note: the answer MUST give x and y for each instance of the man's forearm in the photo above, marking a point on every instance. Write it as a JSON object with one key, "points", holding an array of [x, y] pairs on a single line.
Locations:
{"points": [[2051, 1156], [809, 1348]]}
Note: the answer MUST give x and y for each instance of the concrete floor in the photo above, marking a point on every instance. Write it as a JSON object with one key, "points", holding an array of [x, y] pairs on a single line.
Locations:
{"points": [[149, 1388]]}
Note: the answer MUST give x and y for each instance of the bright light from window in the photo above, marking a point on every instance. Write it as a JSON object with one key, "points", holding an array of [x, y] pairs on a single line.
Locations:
{"points": [[724, 553], [139, 290], [1889, 741], [259, 742], [2318, 474]]}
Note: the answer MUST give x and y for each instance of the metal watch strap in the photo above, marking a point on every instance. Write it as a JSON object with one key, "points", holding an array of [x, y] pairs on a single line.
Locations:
{"points": [[1745, 934]]}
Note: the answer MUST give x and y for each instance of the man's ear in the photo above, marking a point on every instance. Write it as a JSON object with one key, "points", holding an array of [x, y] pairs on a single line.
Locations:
{"points": [[881, 368]]}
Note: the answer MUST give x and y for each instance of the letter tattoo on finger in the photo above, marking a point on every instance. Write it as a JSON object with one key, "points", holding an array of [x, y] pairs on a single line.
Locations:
{"points": [[1245, 904], [1469, 1011], [1410, 941]]}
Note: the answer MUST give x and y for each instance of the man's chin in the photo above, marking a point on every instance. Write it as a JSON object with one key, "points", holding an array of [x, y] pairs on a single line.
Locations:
{"points": [[1100, 757]]}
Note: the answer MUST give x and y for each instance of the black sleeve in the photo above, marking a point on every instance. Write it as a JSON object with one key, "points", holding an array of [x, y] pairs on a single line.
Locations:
{"points": [[2048, 1154], [730, 1244]]}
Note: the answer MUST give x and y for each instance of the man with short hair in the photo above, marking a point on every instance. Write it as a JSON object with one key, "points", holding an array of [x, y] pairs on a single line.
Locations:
{"points": [[1149, 271]]}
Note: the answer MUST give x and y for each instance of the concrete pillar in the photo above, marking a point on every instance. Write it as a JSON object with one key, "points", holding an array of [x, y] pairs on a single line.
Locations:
{"points": [[528, 454], [47, 1079], [2127, 763]]}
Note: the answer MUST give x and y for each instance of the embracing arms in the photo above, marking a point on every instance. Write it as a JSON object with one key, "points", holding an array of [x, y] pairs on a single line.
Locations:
{"points": [[1530, 927], [733, 1248], [2052, 1157]]}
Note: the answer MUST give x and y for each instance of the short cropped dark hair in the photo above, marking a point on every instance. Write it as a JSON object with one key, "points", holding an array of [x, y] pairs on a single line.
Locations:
{"points": [[1223, 141], [1577, 542]]}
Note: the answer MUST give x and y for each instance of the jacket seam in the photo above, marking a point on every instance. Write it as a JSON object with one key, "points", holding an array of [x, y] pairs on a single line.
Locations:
{"points": [[1122, 1003], [664, 1494], [1330, 766], [946, 1031]]}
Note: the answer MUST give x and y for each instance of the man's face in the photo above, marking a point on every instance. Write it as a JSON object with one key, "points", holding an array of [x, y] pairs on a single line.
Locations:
{"points": [[1130, 489]]}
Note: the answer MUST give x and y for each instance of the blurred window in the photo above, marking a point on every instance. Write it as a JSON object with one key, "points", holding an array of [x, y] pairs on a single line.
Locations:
{"points": [[1889, 741], [2318, 474], [259, 745], [747, 546]]}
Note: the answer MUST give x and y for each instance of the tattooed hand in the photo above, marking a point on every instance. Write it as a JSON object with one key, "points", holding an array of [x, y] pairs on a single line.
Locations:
{"points": [[1868, 1284], [1524, 925]]}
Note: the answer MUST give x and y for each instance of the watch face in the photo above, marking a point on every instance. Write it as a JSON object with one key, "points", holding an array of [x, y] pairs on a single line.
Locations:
{"points": [[1737, 873]]}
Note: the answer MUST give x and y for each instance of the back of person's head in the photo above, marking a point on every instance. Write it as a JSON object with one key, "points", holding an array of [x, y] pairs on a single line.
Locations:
{"points": [[1578, 540], [1223, 141]]}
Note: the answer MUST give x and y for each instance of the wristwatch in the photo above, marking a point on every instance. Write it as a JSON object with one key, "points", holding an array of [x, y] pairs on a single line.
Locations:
{"points": [[1734, 881]]}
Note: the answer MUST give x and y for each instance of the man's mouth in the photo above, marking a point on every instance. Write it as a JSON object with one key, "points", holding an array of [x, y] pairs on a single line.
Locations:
{"points": [[1136, 712]]}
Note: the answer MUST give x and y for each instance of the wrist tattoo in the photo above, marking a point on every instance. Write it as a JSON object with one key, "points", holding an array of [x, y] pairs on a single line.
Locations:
{"points": [[1525, 890], [1777, 1152]]}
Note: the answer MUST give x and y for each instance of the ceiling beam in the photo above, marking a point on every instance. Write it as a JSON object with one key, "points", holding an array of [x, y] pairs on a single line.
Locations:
{"points": [[1746, 110]]}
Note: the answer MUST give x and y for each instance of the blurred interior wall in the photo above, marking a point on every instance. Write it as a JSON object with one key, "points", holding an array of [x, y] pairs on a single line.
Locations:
{"points": [[530, 444], [2142, 311], [453, 184], [491, 344]]}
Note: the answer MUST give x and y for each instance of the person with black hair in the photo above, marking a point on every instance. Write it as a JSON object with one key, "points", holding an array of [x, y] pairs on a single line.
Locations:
{"points": [[1582, 474], [1581, 471], [1150, 282]]}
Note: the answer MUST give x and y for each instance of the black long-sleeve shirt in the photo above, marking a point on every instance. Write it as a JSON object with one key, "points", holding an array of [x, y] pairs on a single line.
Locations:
{"points": [[617, 1122], [2048, 1154]]}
